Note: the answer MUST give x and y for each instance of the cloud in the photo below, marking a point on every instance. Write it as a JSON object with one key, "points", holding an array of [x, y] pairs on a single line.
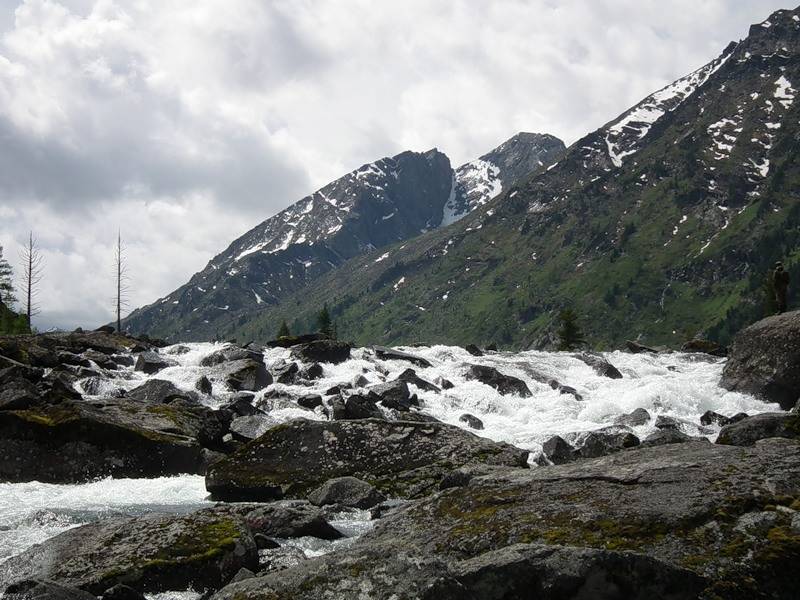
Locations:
{"points": [[184, 124]]}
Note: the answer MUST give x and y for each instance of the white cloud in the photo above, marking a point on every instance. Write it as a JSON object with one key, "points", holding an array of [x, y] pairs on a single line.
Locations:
{"points": [[185, 123]]}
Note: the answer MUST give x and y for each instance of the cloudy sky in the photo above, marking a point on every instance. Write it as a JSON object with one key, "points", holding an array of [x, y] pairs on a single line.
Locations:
{"points": [[183, 124]]}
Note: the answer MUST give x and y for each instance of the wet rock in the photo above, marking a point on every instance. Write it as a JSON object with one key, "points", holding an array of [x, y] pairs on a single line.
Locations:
{"points": [[242, 405], [473, 350], [410, 377], [216, 424], [359, 381], [505, 384], [336, 389], [251, 427], [400, 459], [667, 422], [310, 402], [346, 491], [492, 347], [231, 354], [444, 383], [246, 375], [600, 365], [288, 520], [565, 389], [160, 391], [361, 407], [557, 451], [204, 386], [764, 360], [39, 589], [18, 394], [636, 418], [295, 340], [178, 350], [151, 553], [666, 436], [322, 351], [151, 363], [704, 347], [759, 427], [279, 559], [285, 373], [265, 543], [312, 372], [78, 440], [394, 394], [637, 348], [601, 444], [713, 418], [471, 421], [242, 575], [121, 592], [391, 354]]}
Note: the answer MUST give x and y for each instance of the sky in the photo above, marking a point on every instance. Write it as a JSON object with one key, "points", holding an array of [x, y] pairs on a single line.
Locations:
{"points": [[182, 125]]}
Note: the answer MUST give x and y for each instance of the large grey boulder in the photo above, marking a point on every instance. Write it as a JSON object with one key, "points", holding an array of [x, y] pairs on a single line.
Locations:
{"points": [[229, 354], [150, 363], [505, 384], [399, 458], [758, 427], [247, 375], [322, 351], [39, 589], [600, 365], [764, 360], [204, 549], [346, 491]]}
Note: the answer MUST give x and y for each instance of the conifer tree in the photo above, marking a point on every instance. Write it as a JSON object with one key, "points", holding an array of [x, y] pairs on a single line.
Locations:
{"points": [[324, 322], [283, 331], [570, 335], [7, 296]]}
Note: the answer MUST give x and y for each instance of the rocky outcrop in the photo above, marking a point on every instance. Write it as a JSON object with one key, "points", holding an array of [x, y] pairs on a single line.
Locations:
{"points": [[391, 354], [79, 440], [38, 589], [150, 363], [400, 459], [204, 550], [505, 384], [600, 365], [245, 375], [765, 360], [346, 491]]}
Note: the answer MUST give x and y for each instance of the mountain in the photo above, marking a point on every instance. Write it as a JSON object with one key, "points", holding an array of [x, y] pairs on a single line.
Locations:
{"points": [[381, 203], [662, 225]]}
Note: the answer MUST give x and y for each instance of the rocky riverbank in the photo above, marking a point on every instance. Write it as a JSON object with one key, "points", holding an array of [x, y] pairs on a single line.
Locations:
{"points": [[615, 499]]}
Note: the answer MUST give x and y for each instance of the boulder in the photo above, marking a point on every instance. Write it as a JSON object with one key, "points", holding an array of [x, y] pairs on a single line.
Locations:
{"points": [[400, 459], [245, 375], [410, 377], [713, 418], [385, 353], [322, 351], [636, 418], [151, 363], [758, 427], [346, 491], [565, 389], [154, 553], [231, 354], [444, 383], [704, 347], [242, 405], [81, 440], [601, 444], [505, 384], [310, 402], [471, 421], [600, 365], [204, 386], [312, 372], [667, 422], [295, 340], [122, 592], [251, 427], [360, 407], [285, 373], [557, 451], [160, 391], [394, 394], [473, 350], [764, 360], [666, 436], [287, 520], [637, 348], [39, 589]]}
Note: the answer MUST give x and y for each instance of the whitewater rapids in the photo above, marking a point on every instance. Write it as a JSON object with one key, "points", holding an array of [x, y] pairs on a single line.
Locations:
{"points": [[678, 385]]}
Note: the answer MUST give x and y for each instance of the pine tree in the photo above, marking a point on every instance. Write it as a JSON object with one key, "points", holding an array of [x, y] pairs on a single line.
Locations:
{"points": [[7, 296], [570, 335], [324, 322], [770, 303], [283, 331]]}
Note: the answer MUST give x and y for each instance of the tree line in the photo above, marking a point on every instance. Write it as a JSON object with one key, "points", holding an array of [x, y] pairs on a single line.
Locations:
{"points": [[32, 265]]}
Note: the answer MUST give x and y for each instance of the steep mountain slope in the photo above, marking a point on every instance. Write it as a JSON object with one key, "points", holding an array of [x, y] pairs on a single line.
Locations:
{"points": [[381, 203], [663, 223]]}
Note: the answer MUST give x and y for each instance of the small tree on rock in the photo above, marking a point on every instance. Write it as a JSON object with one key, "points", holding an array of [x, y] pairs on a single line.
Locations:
{"points": [[570, 335], [325, 323], [283, 330]]}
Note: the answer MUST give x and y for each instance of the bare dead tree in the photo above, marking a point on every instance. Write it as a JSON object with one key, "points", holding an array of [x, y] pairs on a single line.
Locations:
{"points": [[121, 280], [32, 269]]}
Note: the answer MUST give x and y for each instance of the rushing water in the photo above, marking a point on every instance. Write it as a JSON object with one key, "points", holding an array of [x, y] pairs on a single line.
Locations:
{"points": [[678, 385]]}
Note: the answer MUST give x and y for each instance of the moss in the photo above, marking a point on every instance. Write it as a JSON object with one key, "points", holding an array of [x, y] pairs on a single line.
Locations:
{"points": [[51, 416]]}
